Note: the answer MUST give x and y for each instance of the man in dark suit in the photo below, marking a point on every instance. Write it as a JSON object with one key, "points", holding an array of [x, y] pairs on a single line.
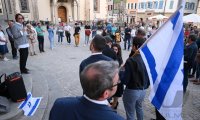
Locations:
{"points": [[99, 81], [97, 45]]}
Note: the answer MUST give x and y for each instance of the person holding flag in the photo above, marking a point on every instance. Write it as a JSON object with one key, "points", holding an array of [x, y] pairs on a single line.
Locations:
{"points": [[136, 79]]}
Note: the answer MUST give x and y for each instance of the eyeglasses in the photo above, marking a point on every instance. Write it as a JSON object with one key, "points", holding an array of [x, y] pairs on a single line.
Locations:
{"points": [[119, 81]]}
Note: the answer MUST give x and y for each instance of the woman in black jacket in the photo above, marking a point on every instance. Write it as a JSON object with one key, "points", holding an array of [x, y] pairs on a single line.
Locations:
{"points": [[120, 87]]}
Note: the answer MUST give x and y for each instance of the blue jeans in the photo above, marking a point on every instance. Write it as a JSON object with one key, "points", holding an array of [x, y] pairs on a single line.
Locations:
{"points": [[133, 100], [51, 42], [60, 37], [129, 43], [86, 39]]}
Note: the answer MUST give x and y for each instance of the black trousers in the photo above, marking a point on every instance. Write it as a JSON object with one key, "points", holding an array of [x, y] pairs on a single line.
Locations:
{"points": [[41, 43], [23, 58], [14, 50], [67, 34]]}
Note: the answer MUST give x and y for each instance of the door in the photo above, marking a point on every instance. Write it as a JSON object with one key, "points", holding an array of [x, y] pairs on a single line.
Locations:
{"points": [[62, 13]]}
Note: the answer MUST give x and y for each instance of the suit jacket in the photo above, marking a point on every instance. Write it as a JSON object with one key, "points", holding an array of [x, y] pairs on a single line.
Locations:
{"points": [[79, 108], [93, 59]]}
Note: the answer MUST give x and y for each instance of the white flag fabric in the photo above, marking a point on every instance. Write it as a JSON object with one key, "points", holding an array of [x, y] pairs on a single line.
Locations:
{"points": [[163, 57], [30, 105]]}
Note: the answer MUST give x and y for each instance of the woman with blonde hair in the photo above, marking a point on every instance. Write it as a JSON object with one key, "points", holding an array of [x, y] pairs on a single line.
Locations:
{"points": [[32, 39]]}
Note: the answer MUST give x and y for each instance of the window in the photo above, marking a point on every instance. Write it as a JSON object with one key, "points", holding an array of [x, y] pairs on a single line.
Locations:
{"points": [[155, 4], [171, 4], [24, 6], [160, 4], [187, 5], [192, 6], [149, 5], [131, 5], [111, 7], [142, 5], [96, 5], [128, 6], [135, 5]]}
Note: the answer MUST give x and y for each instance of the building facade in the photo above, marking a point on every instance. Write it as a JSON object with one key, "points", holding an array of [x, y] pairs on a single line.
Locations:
{"points": [[136, 9], [131, 11], [54, 10]]}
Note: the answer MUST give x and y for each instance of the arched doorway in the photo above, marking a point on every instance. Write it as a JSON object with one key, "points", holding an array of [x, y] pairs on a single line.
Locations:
{"points": [[62, 13]]}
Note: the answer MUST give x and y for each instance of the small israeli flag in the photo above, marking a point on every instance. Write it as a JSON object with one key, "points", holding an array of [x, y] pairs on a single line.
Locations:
{"points": [[30, 105]]}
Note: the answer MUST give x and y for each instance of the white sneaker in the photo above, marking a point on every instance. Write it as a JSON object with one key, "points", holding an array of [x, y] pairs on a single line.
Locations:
{"points": [[6, 59], [84, 45]]}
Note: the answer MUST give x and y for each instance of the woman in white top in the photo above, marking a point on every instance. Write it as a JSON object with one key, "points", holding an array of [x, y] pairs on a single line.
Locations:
{"points": [[32, 39], [3, 45]]}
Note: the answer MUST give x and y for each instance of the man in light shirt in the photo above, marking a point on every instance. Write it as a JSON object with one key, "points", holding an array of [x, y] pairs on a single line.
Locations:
{"points": [[99, 81], [67, 29], [21, 41]]}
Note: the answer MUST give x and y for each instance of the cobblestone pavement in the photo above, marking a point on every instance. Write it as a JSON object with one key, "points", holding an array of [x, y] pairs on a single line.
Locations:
{"points": [[60, 67]]}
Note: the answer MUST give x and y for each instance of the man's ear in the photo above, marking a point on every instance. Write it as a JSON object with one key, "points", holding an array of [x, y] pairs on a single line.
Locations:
{"points": [[106, 94]]}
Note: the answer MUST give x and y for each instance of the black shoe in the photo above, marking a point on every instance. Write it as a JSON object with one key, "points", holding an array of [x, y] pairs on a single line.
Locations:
{"points": [[15, 58], [24, 72], [43, 51], [27, 70]]}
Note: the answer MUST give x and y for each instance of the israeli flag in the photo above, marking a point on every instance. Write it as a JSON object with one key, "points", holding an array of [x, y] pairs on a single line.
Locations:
{"points": [[163, 57], [30, 105]]}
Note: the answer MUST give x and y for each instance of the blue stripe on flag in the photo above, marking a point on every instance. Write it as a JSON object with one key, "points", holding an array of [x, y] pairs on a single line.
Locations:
{"points": [[169, 72], [151, 62], [24, 103], [34, 107], [175, 19]]}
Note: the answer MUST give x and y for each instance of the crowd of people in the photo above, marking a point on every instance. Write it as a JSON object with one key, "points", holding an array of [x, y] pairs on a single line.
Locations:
{"points": [[104, 76], [191, 55]]}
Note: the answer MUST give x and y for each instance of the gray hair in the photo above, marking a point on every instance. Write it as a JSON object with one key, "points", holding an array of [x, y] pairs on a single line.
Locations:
{"points": [[98, 77]]}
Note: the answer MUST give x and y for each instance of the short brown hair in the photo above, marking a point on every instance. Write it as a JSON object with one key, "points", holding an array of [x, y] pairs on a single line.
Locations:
{"points": [[17, 15]]}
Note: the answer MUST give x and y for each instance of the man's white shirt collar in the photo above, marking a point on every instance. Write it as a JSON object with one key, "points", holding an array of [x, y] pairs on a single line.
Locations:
{"points": [[104, 102], [97, 53]]}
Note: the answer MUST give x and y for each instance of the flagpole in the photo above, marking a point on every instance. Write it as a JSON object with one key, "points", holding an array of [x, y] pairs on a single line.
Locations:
{"points": [[159, 28]]}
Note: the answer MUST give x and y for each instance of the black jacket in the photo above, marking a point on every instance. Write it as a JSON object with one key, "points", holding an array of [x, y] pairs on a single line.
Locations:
{"points": [[135, 75], [109, 53]]}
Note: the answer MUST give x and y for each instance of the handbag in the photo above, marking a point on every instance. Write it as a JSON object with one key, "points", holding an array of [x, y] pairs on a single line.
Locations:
{"points": [[4, 105], [3, 87], [16, 87]]}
